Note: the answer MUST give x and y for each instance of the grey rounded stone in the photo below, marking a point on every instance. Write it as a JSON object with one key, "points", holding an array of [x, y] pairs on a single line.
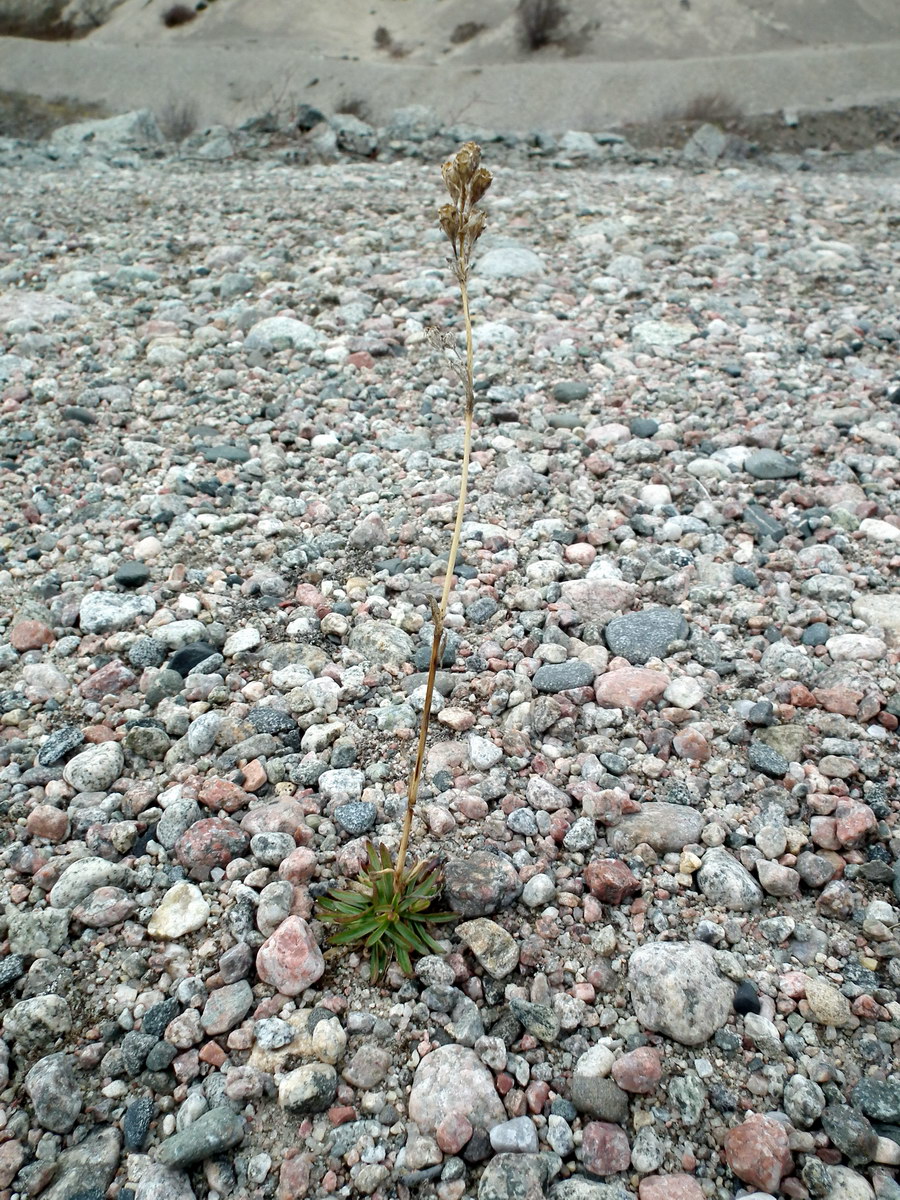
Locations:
{"points": [[518, 1136], [481, 884], [382, 643], [769, 464], [53, 1087], [452, 1080], [804, 1101], [107, 612], [95, 768], [676, 990], [216, 1131], [723, 880]]}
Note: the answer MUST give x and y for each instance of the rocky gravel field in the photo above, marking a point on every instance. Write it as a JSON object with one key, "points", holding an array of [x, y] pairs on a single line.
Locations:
{"points": [[662, 773]]}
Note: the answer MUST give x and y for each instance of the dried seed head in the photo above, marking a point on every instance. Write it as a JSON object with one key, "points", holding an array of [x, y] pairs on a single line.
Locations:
{"points": [[449, 218], [479, 184], [466, 181]]}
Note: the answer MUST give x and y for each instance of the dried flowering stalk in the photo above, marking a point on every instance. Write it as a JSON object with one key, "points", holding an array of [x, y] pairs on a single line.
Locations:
{"points": [[389, 908], [466, 181]]}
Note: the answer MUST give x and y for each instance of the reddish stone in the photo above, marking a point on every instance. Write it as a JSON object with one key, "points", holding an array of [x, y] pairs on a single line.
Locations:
{"points": [[213, 1054], [293, 1179], [758, 1152], [48, 822], [630, 687], [255, 776], [453, 1132], [340, 1114], [801, 697], [12, 1155], [282, 816], [868, 1008], [221, 795], [299, 865], [30, 635], [838, 700], [605, 1148], [670, 1187], [290, 960], [638, 1071], [853, 823], [361, 359], [95, 734], [211, 843], [690, 744], [536, 1095], [610, 880], [104, 907], [823, 832], [111, 680]]}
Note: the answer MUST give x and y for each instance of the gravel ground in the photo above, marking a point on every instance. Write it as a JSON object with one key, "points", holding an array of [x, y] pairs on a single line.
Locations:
{"points": [[663, 765]]}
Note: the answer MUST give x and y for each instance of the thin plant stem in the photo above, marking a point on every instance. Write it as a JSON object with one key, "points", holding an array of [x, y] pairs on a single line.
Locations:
{"points": [[462, 236]]}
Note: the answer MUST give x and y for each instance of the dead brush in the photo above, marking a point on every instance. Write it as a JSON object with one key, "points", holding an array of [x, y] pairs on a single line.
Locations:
{"points": [[388, 908]]}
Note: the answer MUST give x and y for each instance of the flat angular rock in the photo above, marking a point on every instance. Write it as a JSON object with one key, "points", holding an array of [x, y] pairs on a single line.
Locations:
{"points": [[676, 990], [560, 677], [310, 1088], [495, 949], [107, 612], [769, 464], [630, 688]]}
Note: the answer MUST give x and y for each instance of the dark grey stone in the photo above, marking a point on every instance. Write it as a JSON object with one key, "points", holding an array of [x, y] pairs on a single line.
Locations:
{"points": [[59, 744], [12, 967], [184, 660], [537, 1019], [879, 1099], [136, 1122], [560, 677], [816, 634], [132, 574], [599, 1098], [271, 720], [641, 636], [850, 1132], [157, 1017], [763, 523], [146, 652], [769, 464], [571, 391], [770, 762]]}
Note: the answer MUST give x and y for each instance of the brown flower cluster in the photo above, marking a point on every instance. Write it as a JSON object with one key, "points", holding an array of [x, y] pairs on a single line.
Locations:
{"points": [[466, 182]]}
